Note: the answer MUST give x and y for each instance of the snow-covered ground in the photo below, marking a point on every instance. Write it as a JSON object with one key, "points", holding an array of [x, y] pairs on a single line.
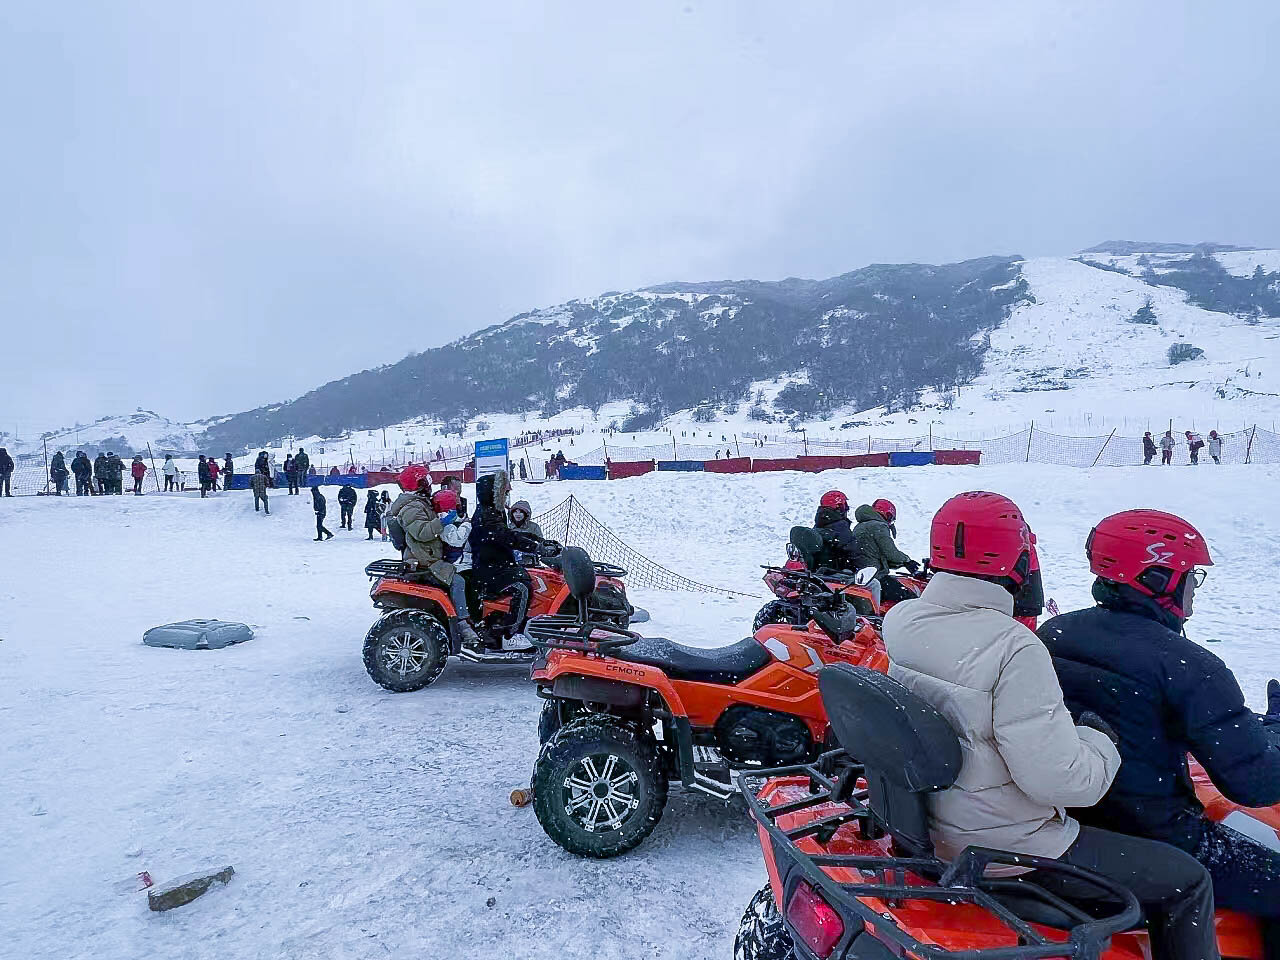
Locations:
{"points": [[366, 824]]}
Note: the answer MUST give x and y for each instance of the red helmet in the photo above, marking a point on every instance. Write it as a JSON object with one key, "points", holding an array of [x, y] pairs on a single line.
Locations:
{"points": [[886, 509], [1149, 550], [444, 500], [981, 533], [415, 477], [835, 500]]}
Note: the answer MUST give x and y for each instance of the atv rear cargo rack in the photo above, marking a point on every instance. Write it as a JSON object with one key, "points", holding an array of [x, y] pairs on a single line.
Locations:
{"points": [[562, 631], [397, 569], [834, 779]]}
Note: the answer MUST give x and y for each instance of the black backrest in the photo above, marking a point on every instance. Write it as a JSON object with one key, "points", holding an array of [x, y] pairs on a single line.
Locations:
{"points": [[808, 543], [907, 748], [579, 572]]}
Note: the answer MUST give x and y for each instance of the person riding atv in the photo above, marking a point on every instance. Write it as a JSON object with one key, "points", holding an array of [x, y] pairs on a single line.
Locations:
{"points": [[868, 544], [495, 550], [422, 526], [1166, 696], [959, 649]]}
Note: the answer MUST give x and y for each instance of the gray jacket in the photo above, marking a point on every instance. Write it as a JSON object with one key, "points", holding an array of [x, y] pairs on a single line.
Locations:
{"points": [[959, 648]]}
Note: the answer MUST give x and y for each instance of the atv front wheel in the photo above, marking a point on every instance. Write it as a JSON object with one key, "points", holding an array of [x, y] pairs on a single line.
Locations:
{"points": [[762, 934], [776, 611], [599, 787], [406, 650]]}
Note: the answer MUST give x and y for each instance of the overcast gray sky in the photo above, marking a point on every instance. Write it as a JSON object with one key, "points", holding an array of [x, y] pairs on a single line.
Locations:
{"points": [[211, 206]]}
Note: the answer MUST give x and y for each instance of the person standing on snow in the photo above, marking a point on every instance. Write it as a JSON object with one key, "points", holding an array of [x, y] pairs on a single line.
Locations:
{"points": [[202, 471], [137, 470], [1148, 449], [170, 471], [1166, 448], [321, 507], [1024, 758], [290, 476], [346, 505], [1215, 446], [258, 483], [301, 464], [58, 473], [384, 507], [372, 514], [213, 473], [82, 470], [100, 472], [1167, 697], [6, 473], [228, 472], [1194, 443]]}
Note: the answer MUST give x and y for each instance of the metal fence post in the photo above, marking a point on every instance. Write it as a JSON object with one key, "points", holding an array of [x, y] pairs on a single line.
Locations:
{"points": [[1030, 433], [1248, 451], [1104, 447]]}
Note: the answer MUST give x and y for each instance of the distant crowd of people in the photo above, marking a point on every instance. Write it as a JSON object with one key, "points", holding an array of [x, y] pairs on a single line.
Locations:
{"points": [[1195, 443]]}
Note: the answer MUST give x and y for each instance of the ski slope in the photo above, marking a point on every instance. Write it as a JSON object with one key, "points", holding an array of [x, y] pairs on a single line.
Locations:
{"points": [[363, 824]]}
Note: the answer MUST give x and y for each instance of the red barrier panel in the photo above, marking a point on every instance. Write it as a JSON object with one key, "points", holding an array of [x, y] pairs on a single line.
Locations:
{"points": [[765, 466], [817, 464], [965, 457], [377, 477], [618, 469], [732, 465], [865, 460]]}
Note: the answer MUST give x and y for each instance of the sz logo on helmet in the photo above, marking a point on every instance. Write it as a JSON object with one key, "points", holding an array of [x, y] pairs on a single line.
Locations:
{"points": [[1156, 555]]}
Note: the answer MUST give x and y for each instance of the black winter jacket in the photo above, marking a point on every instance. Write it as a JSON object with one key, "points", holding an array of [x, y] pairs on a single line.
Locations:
{"points": [[318, 502], [81, 467], [6, 463], [839, 549], [100, 470], [347, 496], [1165, 696], [494, 545]]}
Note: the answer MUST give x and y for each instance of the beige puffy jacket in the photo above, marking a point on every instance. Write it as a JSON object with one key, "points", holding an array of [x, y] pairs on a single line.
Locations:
{"points": [[422, 529], [959, 648]]}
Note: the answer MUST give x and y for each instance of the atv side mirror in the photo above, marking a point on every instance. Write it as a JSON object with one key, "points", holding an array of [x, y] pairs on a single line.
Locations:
{"points": [[864, 576]]}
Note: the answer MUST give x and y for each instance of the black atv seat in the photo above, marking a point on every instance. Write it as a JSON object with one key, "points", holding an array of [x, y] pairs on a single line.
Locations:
{"points": [[729, 664]]}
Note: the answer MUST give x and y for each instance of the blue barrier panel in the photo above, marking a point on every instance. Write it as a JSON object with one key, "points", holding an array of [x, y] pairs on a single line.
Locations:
{"points": [[568, 472], [911, 458], [682, 466], [239, 481]]}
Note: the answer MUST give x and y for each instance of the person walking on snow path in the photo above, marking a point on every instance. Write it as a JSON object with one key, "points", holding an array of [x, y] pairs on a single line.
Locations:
{"points": [[321, 507], [137, 470], [6, 473], [170, 471], [1166, 448], [372, 514], [1215, 447], [258, 483], [346, 505], [1148, 448]]}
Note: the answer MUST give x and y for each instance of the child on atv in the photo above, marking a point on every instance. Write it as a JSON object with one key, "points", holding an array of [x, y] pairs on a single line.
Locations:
{"points": [[1128, 660], [495, 567], [1024, 758]]}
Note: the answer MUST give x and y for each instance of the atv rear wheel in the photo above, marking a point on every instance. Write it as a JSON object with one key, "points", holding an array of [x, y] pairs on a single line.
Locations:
{"points": [[406, 650], [599, 787], [776, 611], [762, 934], [549, 722]]}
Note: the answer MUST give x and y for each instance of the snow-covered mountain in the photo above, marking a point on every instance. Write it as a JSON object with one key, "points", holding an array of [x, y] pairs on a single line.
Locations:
{"points": [[1081, 344], [125, 434]]}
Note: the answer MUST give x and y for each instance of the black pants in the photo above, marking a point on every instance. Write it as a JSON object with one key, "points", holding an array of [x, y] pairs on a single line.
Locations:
{"points": [[293, 483], [1246, 877], [137, 486], [204, 488], [5, 485], [1174, 890], [1166, 457], [260, 498], [1146, 457], [321, 529], [344, 520], [891, 591], [170, 483]]}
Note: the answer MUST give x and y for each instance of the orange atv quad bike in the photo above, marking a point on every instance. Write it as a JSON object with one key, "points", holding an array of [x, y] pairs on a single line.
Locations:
{"points": [[625, 714], [853, 874], [804, 548], [407, 647]]}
